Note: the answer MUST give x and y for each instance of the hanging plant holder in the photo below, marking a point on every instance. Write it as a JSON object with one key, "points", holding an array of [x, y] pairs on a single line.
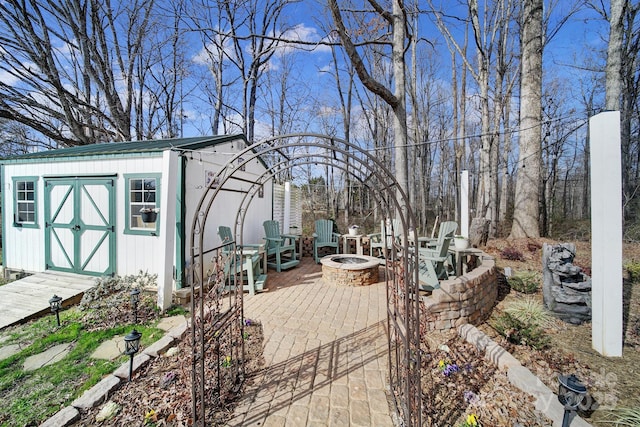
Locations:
{"points": [[149, 216]]}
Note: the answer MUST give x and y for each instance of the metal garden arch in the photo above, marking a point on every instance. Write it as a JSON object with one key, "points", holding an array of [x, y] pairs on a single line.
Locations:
{"points": [[217, 316]]}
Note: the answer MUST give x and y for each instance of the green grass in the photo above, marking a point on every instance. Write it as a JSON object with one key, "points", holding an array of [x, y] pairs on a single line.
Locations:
{"points": [[29, 398], [176, 310], [624, 417]]}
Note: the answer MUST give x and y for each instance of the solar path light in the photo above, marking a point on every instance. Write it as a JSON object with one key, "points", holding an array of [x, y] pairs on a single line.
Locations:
{"points": [[131, 347], [56, 303], [570, 393]]}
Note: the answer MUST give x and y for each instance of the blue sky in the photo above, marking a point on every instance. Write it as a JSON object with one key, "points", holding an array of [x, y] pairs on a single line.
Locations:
{"points": [[313, 87], [564, 55]]}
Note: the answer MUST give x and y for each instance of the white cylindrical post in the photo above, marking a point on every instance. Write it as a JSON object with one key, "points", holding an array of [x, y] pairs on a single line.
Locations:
{"points": [[606, 233], [464, 203]]}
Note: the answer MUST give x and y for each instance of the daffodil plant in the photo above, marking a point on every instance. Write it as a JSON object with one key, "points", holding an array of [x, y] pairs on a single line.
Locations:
{"points": [[471, 421]]}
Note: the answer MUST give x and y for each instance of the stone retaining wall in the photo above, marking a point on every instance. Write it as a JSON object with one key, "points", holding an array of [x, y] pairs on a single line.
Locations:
{"points": [[465, 299]]}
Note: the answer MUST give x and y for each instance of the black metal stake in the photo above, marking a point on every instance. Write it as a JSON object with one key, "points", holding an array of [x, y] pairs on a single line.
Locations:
{"points": [[130, 366], [135, 298]]}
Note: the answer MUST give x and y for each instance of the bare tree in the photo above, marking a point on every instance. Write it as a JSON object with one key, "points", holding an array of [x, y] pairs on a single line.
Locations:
{"points": [[15, 139], [396, 19], [622, 90], [485, 34], [75, 67]]}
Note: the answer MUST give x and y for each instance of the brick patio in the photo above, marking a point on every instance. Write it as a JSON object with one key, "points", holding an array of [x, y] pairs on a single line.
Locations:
{"points": [[325, 353]]}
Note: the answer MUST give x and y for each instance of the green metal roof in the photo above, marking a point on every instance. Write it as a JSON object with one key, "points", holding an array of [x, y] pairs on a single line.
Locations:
{"points": [[150, 146]]}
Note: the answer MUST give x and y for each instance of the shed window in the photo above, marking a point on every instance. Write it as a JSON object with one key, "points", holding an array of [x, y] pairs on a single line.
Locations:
{"points": [[25, 207], [143, 207]]}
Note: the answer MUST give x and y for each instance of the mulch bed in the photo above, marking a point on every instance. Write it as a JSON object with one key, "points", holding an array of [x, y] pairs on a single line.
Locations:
{"points": [[458, 381], [160, 392]]}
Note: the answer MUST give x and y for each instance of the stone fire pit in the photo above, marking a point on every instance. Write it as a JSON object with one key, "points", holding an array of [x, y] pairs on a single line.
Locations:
{"points": [[350, 270]]}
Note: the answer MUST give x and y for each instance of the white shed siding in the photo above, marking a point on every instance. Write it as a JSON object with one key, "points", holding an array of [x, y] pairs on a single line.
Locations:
{"points": [[25, 247], [225, 207], [27, 250]]}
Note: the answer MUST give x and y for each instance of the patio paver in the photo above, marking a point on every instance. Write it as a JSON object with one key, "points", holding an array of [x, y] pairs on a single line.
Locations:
{"points": [[325, 351]]}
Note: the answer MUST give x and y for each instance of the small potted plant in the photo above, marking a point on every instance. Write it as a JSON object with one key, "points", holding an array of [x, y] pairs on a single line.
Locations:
{"points": [[460, 242], [353, 230], [148, 214], [293, 229]]}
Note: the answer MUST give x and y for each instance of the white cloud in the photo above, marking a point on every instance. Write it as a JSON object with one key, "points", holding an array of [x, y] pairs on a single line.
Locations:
{"points": [[305, 34], [221, 50], [326, 69], [8, 78]]}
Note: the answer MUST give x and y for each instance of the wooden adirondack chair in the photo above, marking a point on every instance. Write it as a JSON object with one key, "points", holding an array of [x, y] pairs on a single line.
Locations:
{"points": [[248, 262], [433, 262], [380, 241], [281, 248], [446, 231], [324, 237]]}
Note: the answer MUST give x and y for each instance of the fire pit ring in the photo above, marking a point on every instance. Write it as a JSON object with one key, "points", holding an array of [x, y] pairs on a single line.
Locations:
{"points": [[350, 269]]}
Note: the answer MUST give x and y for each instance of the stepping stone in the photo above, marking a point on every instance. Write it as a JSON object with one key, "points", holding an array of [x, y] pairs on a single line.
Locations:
{"points": [[110, 349], [52, 355], [168, 323], [9, 350]]}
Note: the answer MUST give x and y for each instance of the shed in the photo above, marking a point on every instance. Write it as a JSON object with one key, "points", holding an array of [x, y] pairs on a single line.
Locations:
{"points": [[121, 208]]}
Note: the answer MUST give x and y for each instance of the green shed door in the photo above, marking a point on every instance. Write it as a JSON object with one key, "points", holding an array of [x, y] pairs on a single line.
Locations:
{"points": [[79, 225]]}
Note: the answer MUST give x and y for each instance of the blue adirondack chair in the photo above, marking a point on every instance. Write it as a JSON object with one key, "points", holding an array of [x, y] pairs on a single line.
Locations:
{"points": [[324, 237], [281, 248], [248, 262], [433, 261], [446, 231]]}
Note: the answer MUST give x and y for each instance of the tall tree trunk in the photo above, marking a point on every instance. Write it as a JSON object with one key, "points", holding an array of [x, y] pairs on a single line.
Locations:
{"points": [[485, 206], [399, 107], [614, 56], [526, 207]]}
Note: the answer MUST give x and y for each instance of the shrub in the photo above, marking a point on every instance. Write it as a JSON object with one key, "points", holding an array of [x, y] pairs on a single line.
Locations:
{"points": [[529, 311], [633, 270], [526, 282], [519, 332], [511, 254]]}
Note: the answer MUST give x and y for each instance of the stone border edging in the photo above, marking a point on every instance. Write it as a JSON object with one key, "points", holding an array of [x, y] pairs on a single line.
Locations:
{"points": [[99, 393], [520, 376]]}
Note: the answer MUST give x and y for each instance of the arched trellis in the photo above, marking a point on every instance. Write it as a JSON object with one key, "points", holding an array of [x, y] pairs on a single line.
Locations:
{"points": [[212, 318]]}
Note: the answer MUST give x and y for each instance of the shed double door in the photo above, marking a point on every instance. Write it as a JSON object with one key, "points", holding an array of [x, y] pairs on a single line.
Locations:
{"points": [[79, 225]]}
